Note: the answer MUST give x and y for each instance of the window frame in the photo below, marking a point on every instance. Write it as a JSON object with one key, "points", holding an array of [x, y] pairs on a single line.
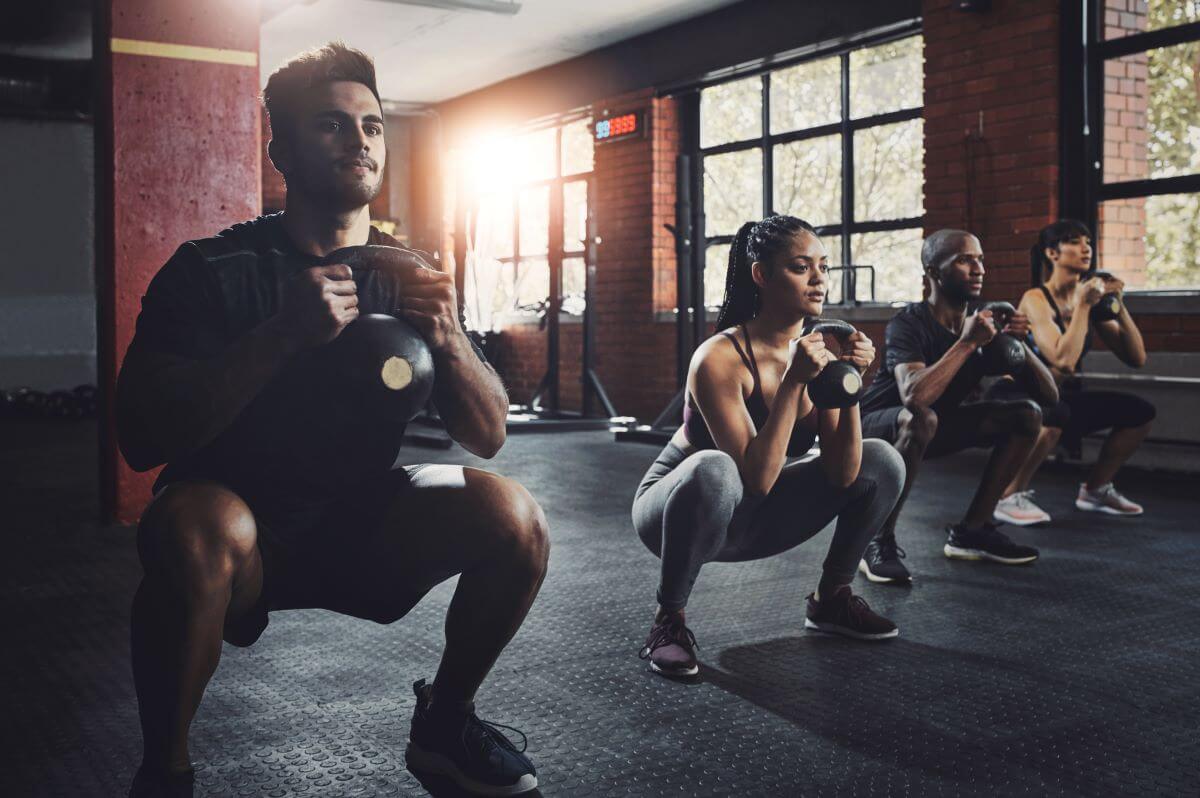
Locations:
{"points": [[1084, 53], [845, 128], [557, 249]]}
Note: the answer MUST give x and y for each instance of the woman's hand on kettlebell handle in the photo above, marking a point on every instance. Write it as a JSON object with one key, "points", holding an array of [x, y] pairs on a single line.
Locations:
{"points": [[807, 356], [859, 350]]}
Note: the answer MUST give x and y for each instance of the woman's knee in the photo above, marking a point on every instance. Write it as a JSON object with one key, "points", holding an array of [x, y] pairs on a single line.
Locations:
{"points": [[198, 531], [881, 462], [712, 478]]}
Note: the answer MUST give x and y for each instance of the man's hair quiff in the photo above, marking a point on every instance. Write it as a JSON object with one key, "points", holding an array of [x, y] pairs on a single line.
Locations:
{"points": [[331, 63]]}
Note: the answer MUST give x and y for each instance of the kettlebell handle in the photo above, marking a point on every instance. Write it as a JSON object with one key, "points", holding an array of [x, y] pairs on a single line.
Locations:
{"points": [[835, 327], [1002, 311]]}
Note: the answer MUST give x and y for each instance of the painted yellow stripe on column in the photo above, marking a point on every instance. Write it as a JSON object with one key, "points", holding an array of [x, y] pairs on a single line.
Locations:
{"points": [[185, 52]]}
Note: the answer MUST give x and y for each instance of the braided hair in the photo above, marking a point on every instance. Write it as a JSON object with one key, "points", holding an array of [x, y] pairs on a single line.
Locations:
{"points": [[755, 241], [1050, 237]]}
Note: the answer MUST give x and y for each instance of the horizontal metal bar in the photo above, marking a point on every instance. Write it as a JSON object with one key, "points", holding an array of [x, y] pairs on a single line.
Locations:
{"points": [[1154, 379], [1150, 40], [1131, 189]]}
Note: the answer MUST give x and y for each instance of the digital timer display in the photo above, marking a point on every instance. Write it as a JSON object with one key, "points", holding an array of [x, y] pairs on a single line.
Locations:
{"points": [[617, 127]]}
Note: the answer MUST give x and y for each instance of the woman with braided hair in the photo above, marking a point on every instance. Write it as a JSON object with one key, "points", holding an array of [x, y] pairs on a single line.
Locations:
{"points": [[723, 490]]}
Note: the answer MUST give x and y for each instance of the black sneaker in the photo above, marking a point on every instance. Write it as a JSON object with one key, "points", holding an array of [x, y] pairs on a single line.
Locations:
{"points": [[985, 543], [844, 613], [881, 562], [473, 753], [161, 784]]}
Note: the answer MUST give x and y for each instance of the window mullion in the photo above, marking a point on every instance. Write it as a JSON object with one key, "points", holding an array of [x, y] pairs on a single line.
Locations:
{"points": [[768, 163], [847, 180]]}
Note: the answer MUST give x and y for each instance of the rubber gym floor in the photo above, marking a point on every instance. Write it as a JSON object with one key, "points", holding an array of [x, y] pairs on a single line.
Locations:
{"points": [[1077, 675]]}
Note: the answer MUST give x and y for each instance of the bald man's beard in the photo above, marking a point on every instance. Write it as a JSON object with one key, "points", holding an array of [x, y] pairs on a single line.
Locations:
{"points": [[955, 291]]}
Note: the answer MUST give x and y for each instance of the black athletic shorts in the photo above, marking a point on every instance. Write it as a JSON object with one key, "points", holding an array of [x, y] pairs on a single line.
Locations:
{"points": [[957, 428], [329, 557], [1081, 411]]}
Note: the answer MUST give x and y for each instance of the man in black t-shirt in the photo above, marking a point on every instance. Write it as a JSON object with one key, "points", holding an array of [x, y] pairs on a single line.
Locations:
{"points": [[922, 402], [254, 513]]}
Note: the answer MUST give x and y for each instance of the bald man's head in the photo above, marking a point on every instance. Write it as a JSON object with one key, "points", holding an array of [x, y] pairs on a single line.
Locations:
{"points": [[940, 245], [953, 262]]}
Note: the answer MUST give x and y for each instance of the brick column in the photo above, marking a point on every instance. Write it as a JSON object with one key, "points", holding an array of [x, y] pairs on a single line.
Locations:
{"points": [[1001, 67]]}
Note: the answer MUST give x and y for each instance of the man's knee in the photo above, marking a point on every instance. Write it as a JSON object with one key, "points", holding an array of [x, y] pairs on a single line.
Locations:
{"points": [[518, 522], [1023, 417], [918, 425], [196, 531]]}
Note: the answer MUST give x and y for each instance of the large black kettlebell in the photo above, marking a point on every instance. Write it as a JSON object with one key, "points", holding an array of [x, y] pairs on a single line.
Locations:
{"points": [[839, 384], [383, 359], [386, 363], [1004, 354], [1109, 306]]}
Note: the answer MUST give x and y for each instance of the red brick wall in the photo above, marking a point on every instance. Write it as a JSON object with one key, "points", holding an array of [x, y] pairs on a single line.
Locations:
{"points": [[1003, 63]]}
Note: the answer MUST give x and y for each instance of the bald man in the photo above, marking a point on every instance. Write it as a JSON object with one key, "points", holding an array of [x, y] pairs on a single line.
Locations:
{"points": [[922, 402]]}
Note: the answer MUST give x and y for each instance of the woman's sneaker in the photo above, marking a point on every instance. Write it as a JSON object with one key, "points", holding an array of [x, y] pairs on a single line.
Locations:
{"points": [[985, 543], [162, 784], [1019, 510], [1105, 499], [881, 562], [471, 752], [671, 647], [844, 613]]}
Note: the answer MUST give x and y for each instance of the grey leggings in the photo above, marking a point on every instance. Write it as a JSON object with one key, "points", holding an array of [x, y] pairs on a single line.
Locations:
{"points": [[692, 509]]}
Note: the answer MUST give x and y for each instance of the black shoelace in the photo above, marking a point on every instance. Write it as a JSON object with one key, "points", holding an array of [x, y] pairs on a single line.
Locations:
{"points": [[889, 549], [489, 733], [667, 633]]}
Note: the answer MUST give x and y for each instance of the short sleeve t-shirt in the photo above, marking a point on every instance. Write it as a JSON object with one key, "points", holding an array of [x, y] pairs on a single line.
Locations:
{"points": [[915, 336], [286, 445]]}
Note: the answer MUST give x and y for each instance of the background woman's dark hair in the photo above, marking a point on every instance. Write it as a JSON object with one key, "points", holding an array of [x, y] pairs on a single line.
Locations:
{"points": [[1049, 238], [333, 62], [755, 241]]}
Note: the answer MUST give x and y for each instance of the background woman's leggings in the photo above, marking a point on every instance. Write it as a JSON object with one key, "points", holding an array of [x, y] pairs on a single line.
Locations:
{"points": [[690, 510]]}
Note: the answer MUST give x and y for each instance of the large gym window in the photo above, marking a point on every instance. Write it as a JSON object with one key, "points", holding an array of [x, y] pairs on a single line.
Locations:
{"points": [[1140, 179], [837, 140], [530, 199]]}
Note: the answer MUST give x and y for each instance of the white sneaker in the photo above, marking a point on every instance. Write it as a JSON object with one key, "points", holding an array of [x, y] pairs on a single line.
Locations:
{"points": [[1105, 499], [1019, 510]]}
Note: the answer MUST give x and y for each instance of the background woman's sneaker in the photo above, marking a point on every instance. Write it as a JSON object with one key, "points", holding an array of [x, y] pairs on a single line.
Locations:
{"points": [[1019, 510], [844, 613], [671, 647], [1105, 499]]}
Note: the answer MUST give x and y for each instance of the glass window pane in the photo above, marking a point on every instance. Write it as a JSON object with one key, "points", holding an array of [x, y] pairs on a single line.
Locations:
{"points": [[833, 292], [573, 286], [808, 179], [1152, 114], [532, 283], [1150, 242], [716, 264], [1123, 17], [535, 221], [886, 78], [733, 185], [577, 147], [534, 155], [896, 256], [888, 171], [806, 95], [493, 226], [575, 197], [731, 112]]}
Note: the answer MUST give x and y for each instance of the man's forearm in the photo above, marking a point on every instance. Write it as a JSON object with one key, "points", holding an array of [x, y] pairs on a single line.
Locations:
{"points": [[926, 386], [167, 411], [470, 398]]}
